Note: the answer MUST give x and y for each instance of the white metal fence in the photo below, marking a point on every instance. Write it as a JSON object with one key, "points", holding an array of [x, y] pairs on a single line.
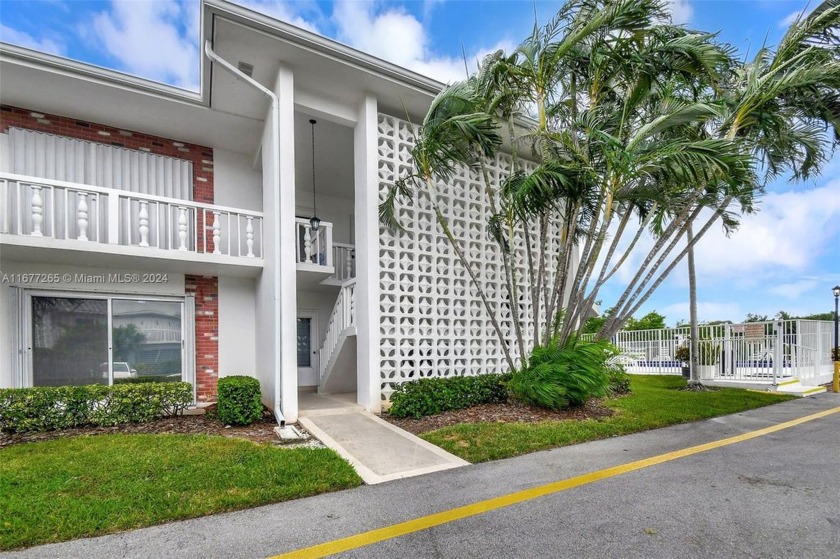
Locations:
{"points": [[757, 351]]}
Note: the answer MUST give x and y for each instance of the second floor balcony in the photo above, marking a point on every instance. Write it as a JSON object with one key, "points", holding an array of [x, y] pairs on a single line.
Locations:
{"points": [[58, 217], [320, 260]]}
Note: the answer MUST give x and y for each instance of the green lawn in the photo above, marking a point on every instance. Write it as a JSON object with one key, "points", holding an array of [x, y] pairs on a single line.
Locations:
{"points": [[85, 486], [654, 402]]}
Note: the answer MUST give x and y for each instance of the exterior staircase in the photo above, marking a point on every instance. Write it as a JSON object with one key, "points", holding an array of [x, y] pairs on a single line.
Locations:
{"points": [[338, 354]]}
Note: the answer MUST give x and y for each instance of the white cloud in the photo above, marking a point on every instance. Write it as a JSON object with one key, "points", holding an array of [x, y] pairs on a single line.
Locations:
{"points": [[790, 233], [145, 38], [680, 10], [793, 16], [15, 37], [397, 36], [289, 12], [706, 311], [794, 290], [159, 39]]}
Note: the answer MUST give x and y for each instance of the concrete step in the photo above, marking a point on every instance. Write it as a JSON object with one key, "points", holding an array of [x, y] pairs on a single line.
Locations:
{"points": [[795, 387]]}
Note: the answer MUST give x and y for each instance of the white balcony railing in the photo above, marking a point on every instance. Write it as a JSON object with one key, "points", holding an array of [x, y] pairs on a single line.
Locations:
{"points": [[157, 336], [63, 210], [313, 247]]}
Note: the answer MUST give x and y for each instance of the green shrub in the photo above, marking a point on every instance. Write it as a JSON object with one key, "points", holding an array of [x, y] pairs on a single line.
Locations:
{"points": [[239, 400], [561, 376], [618, 381], [61, 407], [429, 396]]}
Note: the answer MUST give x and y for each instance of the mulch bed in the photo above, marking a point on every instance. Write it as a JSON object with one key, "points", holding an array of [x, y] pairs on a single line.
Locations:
{"points": [[208, 424], [510, 412]]}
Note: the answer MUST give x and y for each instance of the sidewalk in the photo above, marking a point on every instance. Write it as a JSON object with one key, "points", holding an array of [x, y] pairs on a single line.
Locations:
{"points": [[378, 450]]}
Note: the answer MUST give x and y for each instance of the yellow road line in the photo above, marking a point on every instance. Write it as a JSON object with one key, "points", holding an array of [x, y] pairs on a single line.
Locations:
{"points": [[432, 520]]}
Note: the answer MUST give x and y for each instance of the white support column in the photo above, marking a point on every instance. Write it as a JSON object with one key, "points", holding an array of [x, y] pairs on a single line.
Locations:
{"points": [[287, 308], [365, 148]]}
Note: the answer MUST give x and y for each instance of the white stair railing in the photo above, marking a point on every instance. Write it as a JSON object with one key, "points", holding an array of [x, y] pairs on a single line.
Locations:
{"points": [[343, 316]]}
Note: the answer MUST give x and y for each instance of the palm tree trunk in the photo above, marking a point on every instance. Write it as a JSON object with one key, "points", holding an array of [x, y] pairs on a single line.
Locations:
{"points": [[694, 378]]}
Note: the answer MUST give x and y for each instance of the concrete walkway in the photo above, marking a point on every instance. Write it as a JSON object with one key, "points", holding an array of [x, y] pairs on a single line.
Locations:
{"points": [[378, 450]]}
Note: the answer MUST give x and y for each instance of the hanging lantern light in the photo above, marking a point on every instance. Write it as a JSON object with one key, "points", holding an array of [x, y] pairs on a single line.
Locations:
{"points": [[314, 222]]}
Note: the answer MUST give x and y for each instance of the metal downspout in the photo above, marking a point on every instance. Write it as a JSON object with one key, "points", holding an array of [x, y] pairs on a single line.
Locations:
{"points": [[275, 156]]}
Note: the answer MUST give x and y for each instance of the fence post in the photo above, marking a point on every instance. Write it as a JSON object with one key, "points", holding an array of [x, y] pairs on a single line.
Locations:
{"points": [[777, 351], [727, 350]]}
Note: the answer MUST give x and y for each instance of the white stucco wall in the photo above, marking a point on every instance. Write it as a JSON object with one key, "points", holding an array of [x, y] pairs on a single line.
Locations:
{"points": [[174, 286], [338, 211], [235, 181], [237, 326]]}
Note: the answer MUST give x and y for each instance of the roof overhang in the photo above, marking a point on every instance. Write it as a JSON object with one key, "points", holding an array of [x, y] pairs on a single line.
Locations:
{"points": [[331, 79]]}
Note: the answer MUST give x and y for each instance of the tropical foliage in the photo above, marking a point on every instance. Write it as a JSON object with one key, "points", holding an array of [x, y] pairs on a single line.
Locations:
{"points": [[620, 123], [564, 374]]}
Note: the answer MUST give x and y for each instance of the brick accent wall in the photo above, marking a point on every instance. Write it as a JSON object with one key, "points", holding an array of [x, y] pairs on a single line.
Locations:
{"points": [[206, 291], [205, 288]]}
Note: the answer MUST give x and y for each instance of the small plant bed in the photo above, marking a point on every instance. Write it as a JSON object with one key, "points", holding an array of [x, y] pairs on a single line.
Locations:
{"points": [[509, 412], [80, 486], [654, 402], [261, 431]]}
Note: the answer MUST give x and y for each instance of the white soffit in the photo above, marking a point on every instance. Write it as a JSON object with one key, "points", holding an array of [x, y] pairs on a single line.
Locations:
{"points": [[54, 85], [325, 69]]}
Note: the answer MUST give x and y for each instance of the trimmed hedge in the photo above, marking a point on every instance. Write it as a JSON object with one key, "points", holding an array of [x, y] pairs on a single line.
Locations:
{"points": [[61, 407], [429, 396], [239, 400]]}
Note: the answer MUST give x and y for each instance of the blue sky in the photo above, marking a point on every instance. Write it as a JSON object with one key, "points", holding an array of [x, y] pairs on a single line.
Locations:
{"points": [[785, 257]]}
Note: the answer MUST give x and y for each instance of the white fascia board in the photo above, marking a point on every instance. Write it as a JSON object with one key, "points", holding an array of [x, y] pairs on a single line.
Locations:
{"points": [[92, 73], [318, 44]]}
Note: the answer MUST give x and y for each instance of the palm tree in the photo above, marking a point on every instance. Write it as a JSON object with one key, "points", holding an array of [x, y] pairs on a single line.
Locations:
{"points": [[636, 125], [784, 108]]}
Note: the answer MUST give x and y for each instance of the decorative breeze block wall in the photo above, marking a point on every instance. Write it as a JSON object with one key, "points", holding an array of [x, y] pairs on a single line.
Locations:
{"points": [[433, 322]]}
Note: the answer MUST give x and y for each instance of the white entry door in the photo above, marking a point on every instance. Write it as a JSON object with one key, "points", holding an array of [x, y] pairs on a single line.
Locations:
{"points": [[307, 348]]}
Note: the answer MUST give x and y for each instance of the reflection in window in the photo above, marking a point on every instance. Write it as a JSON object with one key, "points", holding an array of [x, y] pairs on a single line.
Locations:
{"points": [[146, 337]]}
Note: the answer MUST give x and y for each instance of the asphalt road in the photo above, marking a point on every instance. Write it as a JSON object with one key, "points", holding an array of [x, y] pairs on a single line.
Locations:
{"points": [[777, 495]]}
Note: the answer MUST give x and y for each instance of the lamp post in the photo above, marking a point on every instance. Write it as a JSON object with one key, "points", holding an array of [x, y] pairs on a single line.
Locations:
{"points": [[836, 348]]}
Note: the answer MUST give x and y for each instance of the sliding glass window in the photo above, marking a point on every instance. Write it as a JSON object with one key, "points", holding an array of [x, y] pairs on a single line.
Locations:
{"points": [[106, 340]]}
